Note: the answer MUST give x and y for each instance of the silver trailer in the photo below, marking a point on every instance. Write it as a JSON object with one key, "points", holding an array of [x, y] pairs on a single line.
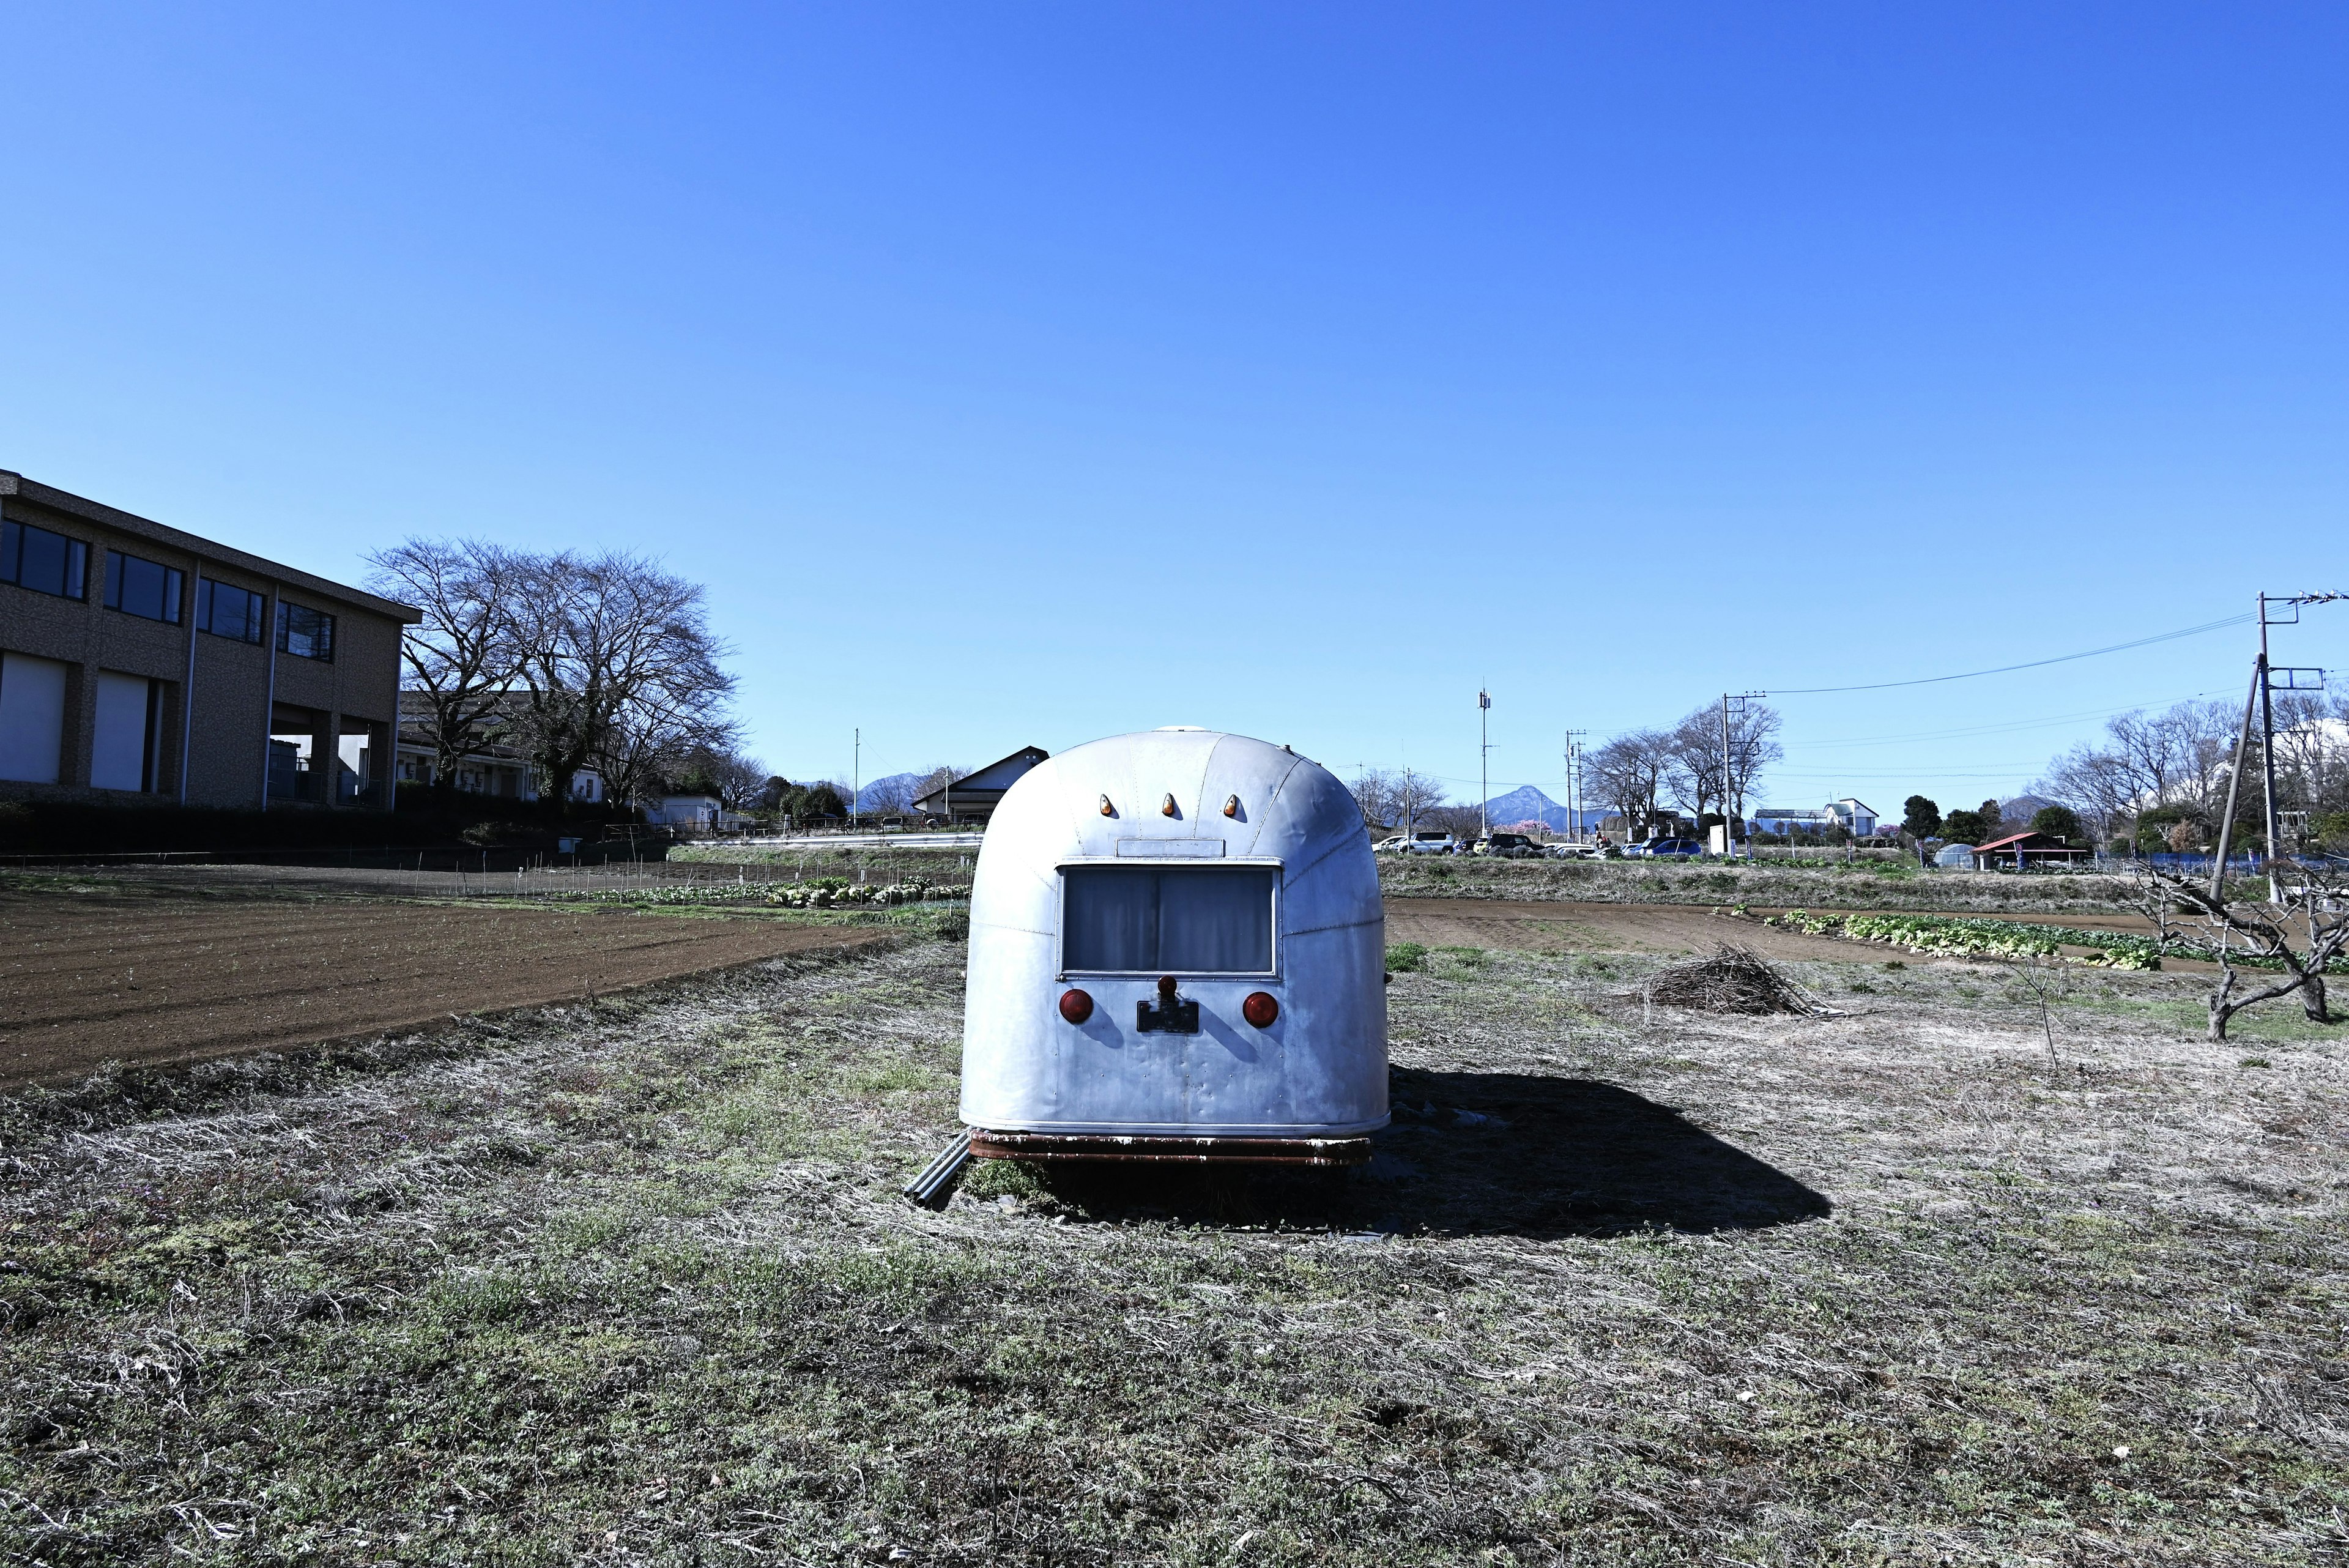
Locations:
{"points": [[1178, 951]]}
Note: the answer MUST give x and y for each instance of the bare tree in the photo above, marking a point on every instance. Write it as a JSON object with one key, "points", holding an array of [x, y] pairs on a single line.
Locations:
{"points": [[892, 795], [2189, 912], [738, 781], [1699, 770], [1395, 797], [2312, 751], [1754, 750], [620, 671], [1692, 763], [1628, 774], [463, 656], [2180, 758], [2094, 783]]}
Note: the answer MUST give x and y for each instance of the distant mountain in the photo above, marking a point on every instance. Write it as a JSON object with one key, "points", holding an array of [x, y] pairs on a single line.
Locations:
{"points": [[1526, 804], [888, 792], [2024, 807]]}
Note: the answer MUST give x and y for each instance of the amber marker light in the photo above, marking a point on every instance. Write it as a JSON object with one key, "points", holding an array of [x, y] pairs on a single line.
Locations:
{"points": [[1168, 809], [1231, 805], [1107, 809], [1076, 1006], [1260, 1009]]}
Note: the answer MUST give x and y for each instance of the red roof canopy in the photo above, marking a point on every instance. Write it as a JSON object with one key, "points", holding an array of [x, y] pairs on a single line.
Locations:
{"points": [[2015, 842]]}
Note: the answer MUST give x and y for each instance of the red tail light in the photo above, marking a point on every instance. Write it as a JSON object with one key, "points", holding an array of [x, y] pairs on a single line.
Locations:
{"points": [[1076, 1006], [1260, 1009]]}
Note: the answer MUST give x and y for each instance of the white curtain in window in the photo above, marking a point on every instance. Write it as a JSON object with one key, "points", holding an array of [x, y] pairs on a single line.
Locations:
{"points": [[31, 718], [1170, 920], [117, 754]]}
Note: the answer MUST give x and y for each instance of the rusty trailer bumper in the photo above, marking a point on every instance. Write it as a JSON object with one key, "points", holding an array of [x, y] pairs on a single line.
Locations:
{"points": [[1170, 1149]]}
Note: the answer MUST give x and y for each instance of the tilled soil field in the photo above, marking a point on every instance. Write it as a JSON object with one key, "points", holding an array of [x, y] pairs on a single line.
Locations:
{"points": [[85, 979]]}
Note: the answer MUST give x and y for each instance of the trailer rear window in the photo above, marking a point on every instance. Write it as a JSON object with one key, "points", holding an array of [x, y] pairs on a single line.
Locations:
{"points": [[1167, 920]]}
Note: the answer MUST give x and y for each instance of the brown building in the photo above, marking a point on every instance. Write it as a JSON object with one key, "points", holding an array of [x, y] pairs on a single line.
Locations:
{"points": [[119, 637]]}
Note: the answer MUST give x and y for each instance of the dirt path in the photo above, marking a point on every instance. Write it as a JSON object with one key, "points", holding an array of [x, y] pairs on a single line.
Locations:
{"points": [[154, 980]]}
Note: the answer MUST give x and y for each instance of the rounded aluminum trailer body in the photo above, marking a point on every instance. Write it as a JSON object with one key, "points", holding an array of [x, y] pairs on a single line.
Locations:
{"points": [[1173, 802]]}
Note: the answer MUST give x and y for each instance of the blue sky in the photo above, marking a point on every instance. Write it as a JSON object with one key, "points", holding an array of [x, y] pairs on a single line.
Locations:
{"points": [[1026, 373]]}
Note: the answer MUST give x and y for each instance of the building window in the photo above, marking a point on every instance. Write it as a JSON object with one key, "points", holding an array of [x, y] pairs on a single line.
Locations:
{"points": [[305, 633], [225, 610], [44, 562], [141, 588]]}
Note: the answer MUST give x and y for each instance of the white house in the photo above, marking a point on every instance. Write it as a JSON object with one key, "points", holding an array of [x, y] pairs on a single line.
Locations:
{"points": [[698, 812], [1782, 820], [1855, 817], [1858, 819]]}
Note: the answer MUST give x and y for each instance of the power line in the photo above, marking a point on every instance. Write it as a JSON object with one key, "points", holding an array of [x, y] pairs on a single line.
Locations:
{"points": [[2050, 721], [2008, 669]]}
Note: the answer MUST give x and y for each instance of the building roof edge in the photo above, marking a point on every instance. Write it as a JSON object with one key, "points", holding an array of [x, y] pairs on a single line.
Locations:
{"points": [[39, 495]]}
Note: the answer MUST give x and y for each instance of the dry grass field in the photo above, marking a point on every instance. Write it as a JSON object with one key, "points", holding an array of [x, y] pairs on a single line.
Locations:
{"points": [[629, 1282]]}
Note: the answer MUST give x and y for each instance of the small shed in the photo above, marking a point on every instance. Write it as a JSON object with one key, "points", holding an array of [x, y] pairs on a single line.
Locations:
{"points": [[975, 796], [2019, 851], [692, 811]]}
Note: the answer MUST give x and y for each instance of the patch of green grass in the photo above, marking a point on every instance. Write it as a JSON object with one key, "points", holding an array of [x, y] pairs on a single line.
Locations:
{"points": [[1405, 958], [988, 1179], [1455, 962], [895, 1077]]}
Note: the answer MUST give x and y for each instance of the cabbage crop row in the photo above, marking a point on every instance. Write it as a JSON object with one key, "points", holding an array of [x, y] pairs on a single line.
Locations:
{"points": [[829, 893], [1955, 936]]}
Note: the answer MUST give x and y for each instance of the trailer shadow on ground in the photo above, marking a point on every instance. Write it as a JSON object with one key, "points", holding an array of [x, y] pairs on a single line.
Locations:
{"points": [[1480, 1154]]}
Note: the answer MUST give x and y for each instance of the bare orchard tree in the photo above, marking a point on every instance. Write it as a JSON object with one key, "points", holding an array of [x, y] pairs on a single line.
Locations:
{"points": [[620, 671], [2240, 932], [1628, 774], [463, 656]]}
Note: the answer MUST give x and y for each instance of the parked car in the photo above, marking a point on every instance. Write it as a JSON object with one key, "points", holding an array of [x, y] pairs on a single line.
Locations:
{"points": [[1666, 847], [1575, 851], [1393, 844], [1507, 846], [1434, 841]]}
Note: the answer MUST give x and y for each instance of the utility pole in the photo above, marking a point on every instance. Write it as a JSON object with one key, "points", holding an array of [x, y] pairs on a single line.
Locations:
{"points": [[2267, 752], [1484, 762], [2256, 702], [1732, 703], [2263, 676], [1574, 784], [856, 774], [2235, 774], [1410, 802]]}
